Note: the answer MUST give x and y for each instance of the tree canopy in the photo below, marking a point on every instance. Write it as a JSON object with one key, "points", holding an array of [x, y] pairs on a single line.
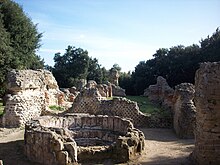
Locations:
{"points": [[19, 40], [75, 64]]}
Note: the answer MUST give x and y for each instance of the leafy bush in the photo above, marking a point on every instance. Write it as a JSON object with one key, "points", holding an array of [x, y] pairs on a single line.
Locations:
{"points": [[1, 108], [56, 108]]}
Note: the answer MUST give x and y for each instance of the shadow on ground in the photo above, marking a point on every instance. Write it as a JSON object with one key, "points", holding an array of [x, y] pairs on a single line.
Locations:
{"points": [[12, 153]]}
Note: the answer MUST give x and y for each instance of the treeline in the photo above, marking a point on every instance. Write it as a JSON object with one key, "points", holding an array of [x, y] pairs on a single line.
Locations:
{"points": [[19, 40], [177, 64]]}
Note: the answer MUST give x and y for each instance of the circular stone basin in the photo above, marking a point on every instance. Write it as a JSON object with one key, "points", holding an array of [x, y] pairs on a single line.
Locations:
{"points": [[81, 137]]}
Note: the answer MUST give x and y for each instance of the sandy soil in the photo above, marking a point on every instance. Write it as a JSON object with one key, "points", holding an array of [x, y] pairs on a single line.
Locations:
{"points": [[161, 147]]}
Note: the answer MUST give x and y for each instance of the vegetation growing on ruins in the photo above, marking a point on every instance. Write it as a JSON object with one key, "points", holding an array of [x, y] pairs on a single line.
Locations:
{"points": [[56, 108], [1, 107]]}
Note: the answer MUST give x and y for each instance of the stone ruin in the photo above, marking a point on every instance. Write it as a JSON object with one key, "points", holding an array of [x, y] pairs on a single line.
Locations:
{"points": [[90, 101], [207, 100], [69, 94], [184, 110], [113, 79], [81, 138], [67, 138], [31, 92], [104, 90], [114, 76], [160, 93]]}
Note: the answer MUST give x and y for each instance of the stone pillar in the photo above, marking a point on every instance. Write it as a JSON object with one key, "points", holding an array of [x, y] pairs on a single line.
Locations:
{"points": [[207, 99], [184, 110], [114, 76]]}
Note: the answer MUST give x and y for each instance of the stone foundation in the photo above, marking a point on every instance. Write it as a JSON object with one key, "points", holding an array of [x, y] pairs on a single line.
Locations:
{"points": [[207, 99], [184, 110], [81, 138]]}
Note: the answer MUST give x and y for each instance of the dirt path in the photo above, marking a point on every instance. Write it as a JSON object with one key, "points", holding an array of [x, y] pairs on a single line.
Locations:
{"points": [[161, 147]]}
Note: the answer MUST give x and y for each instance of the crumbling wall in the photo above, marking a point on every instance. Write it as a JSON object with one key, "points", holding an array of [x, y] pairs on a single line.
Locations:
{"points": [[160, 93], [90, 101], [49, 146], [207, 100], [31, 92], [184, 110], [81, 137]]}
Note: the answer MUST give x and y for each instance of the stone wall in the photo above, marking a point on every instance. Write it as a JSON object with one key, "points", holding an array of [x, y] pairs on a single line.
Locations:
{"points": [[81, 137], [117, 90], [184, 110], [160, 93], [207, 100], [31, 92], [90, 101]]}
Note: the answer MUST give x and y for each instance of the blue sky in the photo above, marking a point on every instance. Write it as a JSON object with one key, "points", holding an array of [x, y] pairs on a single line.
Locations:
{"points": [[120, 31]]}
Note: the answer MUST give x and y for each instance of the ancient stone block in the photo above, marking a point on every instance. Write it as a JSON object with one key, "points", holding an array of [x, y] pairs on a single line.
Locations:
{"points": [[207, 100], [184, 110], [117, 91], [160, 93]]}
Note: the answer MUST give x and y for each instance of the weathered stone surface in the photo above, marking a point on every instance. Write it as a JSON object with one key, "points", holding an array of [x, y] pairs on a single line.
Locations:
{"points": [[81, 137], [113, 77], [31, 92], [184, 110], [160, 93], [90, 101], [117, 91], [207, 100], [48, 146]]}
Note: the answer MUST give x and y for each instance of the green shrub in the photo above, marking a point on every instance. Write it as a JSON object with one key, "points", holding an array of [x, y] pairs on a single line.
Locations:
{"points": [[56, 108], [1, 108]]}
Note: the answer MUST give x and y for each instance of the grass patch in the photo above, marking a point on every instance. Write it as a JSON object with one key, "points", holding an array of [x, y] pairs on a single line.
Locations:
{"points": [[1, 107], [146, 106], [56, 108]]}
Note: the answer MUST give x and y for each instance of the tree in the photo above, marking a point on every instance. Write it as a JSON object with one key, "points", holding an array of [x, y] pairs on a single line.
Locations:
{"points": [[117, 67], [24, 37], [74, 64], [177, 64], [126, 81], [95, 71], [5, 54], [19, 40]]}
